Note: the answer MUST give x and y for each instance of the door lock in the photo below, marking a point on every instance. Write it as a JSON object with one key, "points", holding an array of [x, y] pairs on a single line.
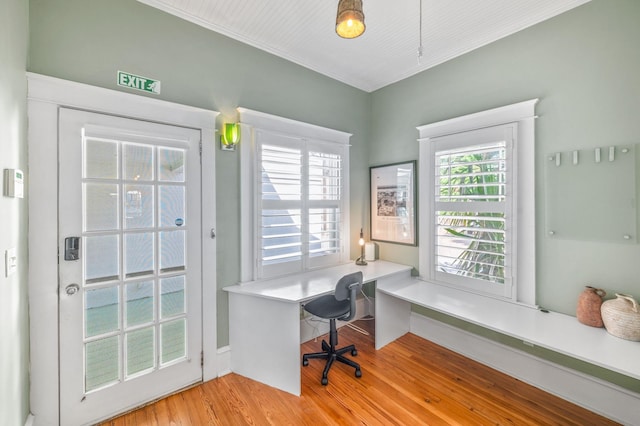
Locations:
{"points": [[72, 248], [72, 289]]}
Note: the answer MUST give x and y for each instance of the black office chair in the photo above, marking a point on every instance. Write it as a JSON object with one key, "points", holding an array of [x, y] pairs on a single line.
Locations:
{"points": [[338, 306]]}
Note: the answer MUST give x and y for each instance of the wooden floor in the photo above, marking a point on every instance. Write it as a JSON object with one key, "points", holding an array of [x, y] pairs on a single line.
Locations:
{"points": [[409, 382]]}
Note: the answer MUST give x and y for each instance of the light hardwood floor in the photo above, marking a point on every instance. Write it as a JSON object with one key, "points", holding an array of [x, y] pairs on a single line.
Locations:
{"points": [[409, 382]]}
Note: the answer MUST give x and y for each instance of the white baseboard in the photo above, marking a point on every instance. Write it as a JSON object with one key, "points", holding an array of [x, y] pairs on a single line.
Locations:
{"points": [[611, 401], [224, 360], [31, 420]]}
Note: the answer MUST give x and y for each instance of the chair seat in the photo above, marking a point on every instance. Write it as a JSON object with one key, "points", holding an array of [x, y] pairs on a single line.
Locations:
{"points": [[328, 307]]}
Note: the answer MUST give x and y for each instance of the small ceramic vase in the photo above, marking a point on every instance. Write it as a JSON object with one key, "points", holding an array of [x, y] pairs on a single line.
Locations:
{"points": [[589, 303], [621, 317]]}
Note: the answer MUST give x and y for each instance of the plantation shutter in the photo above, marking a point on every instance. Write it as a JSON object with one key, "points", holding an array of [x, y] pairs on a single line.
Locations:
{"points": [[473, 204], [300, 203], [325, 196]]}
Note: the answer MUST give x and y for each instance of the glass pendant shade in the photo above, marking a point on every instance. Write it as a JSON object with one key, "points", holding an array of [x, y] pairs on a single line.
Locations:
{"points": [[350, 19], [231, 134]]}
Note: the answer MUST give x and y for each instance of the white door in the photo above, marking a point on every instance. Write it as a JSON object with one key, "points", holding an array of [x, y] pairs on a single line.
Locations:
{"points": [[129, 261]]}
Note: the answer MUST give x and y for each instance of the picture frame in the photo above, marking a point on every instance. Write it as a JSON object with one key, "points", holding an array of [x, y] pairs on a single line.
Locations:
{"points": [[393, 203]]}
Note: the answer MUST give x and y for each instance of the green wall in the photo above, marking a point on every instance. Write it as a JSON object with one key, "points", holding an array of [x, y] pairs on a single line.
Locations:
{"points": [[584, 65], [14, 319], [88, 41]]}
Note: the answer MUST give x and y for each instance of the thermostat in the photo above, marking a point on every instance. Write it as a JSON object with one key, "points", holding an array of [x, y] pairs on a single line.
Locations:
{"points": [[13, 183]]}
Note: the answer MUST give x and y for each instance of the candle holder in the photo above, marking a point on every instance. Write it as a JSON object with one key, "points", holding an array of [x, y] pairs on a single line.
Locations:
{"points": [[360, 260]]}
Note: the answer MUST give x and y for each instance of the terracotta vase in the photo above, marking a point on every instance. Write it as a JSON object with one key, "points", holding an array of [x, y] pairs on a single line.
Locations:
{"points": [[621, 317], [589, 303]]}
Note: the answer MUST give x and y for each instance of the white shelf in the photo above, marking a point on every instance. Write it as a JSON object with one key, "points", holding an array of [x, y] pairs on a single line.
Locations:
{"points": [[554, 331]]}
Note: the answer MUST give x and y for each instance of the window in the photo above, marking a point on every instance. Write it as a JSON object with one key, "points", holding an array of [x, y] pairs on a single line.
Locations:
{"points": [[472, 200], [478, 186], [299, 197], [300, 204]]}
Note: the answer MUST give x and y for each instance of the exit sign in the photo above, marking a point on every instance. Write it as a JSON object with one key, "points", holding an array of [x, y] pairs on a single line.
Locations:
{"points": [[138, 82]]}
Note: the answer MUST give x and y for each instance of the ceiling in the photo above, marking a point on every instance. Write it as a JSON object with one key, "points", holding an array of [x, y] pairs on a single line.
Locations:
{"points": [[302, 31]]}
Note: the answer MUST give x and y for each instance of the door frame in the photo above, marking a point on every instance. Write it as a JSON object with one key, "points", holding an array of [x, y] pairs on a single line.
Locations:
{"points": [[45, 96]]}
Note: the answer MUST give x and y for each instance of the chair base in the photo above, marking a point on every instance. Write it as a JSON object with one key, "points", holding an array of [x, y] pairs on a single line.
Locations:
{"points": [[331, 354]]}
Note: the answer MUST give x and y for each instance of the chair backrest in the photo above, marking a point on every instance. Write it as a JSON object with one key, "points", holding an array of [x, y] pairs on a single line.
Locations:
{"points": [[347, 288]]}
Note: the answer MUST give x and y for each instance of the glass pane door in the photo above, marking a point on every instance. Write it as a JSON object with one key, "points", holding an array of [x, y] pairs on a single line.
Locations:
{"points": [[136, 211]]}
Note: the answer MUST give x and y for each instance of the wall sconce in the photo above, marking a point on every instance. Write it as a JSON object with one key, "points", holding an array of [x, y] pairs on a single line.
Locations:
{"points": [[360, 260], [230, 136]]}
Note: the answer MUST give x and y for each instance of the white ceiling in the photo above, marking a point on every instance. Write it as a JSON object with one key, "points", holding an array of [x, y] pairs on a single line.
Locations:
{"points": [[302, 31]]}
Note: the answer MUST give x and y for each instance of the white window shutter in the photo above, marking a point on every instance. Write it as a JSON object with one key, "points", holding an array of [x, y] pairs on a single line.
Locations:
{"points": [[300, 193], [472, 204]]}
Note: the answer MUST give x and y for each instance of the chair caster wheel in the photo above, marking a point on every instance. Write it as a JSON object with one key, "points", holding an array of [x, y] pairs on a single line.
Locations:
{"points": [[305, 362], [324, 381], [354, 352], [358, 373]]}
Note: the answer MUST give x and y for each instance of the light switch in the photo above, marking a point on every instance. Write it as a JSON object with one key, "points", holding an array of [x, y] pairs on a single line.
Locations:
{"points": [[10, 261]]}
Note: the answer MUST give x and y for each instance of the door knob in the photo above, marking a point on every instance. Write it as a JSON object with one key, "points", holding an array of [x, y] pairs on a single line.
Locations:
{"points": [[72, 289]]}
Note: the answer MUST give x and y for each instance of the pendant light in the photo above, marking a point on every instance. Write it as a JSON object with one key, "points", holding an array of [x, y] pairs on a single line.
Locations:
{"points": [[350, 19]]}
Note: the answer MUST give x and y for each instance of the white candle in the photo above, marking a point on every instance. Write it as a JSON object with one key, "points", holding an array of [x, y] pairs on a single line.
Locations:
{"points": [[370, 252]]}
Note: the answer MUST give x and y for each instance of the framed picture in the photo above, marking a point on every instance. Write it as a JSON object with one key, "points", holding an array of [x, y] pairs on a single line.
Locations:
{"points": [[393, 203]]}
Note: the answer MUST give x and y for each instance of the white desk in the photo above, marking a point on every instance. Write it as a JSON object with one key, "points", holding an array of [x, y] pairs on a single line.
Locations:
{"points": [[264, 319]]}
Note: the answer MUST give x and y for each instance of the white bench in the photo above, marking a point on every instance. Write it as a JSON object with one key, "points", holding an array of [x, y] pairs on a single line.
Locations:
{"points": [[551, 330]]}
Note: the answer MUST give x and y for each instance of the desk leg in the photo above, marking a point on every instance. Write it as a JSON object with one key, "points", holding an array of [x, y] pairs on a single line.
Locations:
{"points": [[264, 336], [392, 318]]}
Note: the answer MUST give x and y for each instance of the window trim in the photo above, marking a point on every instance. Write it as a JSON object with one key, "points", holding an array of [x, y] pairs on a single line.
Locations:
{"points": [[250, 123], [522, 113]]}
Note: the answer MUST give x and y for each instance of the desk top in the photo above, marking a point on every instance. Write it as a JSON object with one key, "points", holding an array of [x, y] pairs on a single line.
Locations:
{"points": [[304, 286]]}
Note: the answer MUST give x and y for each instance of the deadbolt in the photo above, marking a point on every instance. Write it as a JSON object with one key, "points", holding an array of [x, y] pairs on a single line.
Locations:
{"points": [[72, 248]]}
